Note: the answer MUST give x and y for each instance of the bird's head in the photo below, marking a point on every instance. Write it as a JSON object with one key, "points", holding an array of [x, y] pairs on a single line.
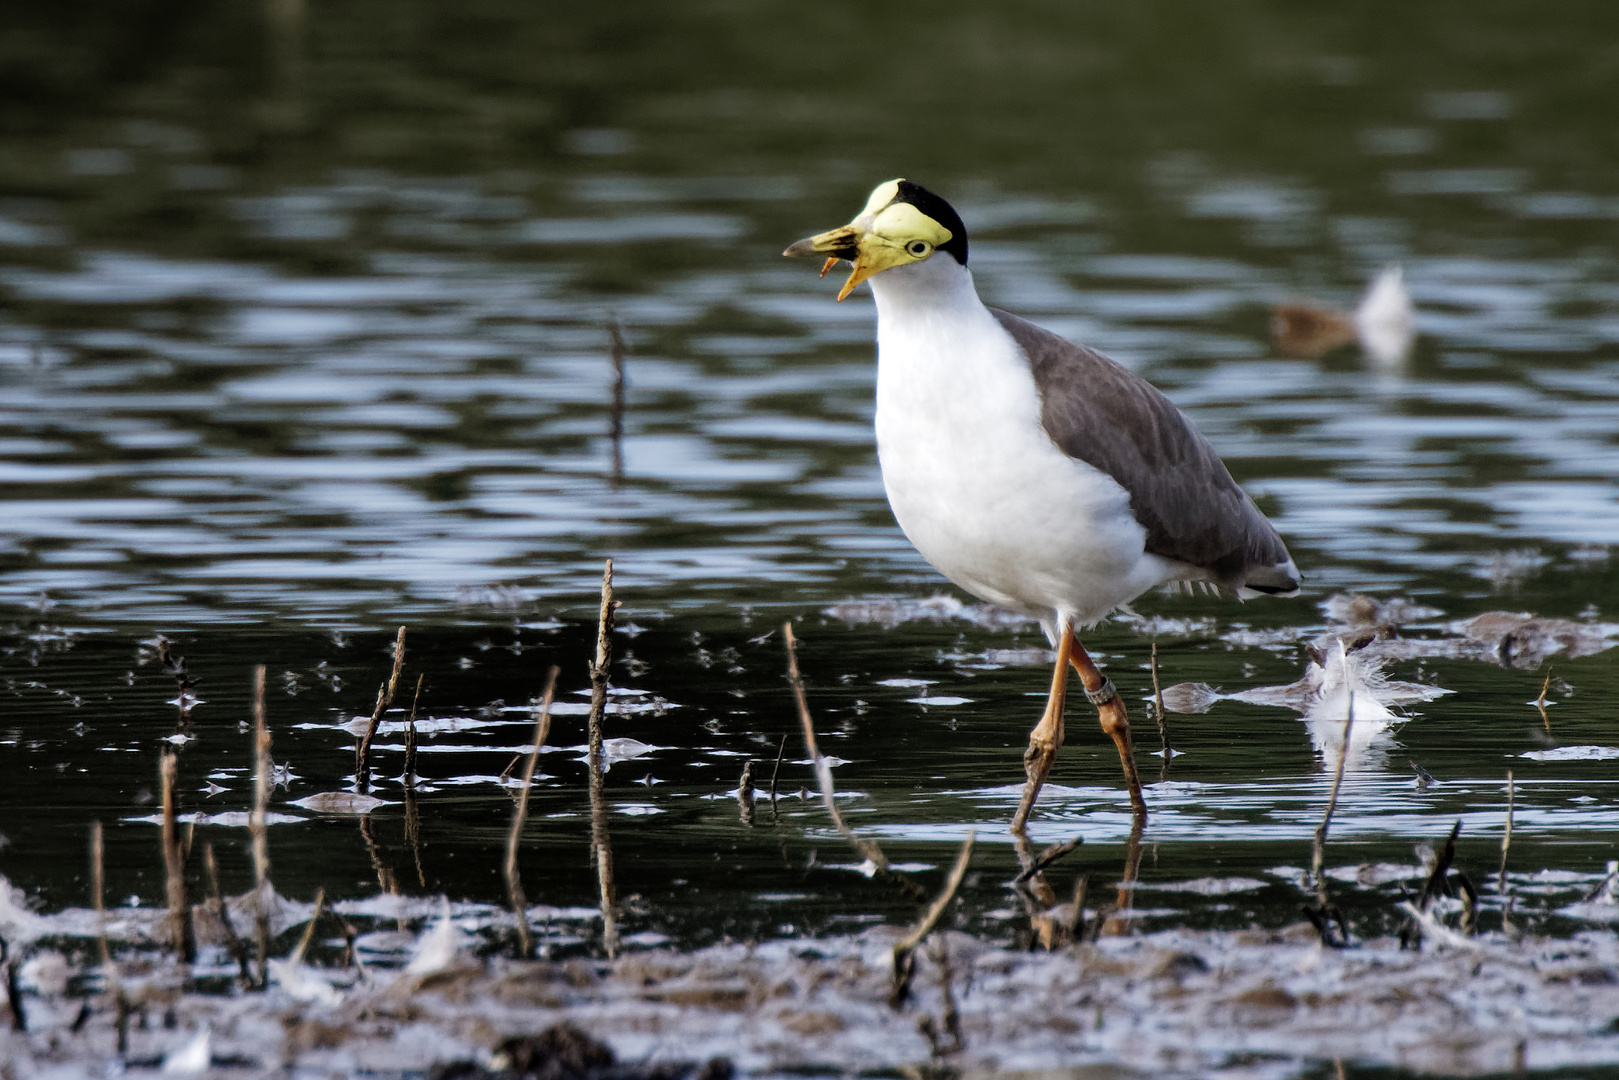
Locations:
{"points": [[903, 223]]}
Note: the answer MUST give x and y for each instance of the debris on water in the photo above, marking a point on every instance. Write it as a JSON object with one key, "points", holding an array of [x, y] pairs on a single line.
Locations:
{"points": [[1506, 570], [889, 612], [1164, 626], [1573, 753], [1200, 999], [1384, 323], [340, 802], [1189, 697], [1356, 609], [303, 983], [616, 750]]}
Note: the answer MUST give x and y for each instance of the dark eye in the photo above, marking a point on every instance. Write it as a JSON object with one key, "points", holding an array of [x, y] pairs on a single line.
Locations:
{"points": [[919, 248]]}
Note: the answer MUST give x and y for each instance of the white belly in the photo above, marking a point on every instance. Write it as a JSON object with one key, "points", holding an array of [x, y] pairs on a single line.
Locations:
{"points": [[982, 491]]}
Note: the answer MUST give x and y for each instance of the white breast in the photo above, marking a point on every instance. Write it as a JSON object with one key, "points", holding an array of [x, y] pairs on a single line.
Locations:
{"points": [[974, 480]]}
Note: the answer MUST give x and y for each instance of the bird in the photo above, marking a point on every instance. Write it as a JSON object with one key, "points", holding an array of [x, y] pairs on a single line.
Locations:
{"points": [[1031, 471]]}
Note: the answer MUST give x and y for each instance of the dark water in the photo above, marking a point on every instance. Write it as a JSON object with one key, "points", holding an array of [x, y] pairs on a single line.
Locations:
{"points": [[303, 335]]}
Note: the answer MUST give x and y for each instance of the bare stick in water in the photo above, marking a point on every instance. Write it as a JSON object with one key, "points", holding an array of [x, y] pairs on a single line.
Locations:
{"points": [[234, 944], [601, 846], [1506, 842], [599, 671], [823, 772], [1158, 707], [263, 781], [98, 884], [385, 700], [174, 866], [98, 889], [744, 792], [410, 735], [1319, 855], [907, 945], [776, 772], [514, 882], [616, 415]]}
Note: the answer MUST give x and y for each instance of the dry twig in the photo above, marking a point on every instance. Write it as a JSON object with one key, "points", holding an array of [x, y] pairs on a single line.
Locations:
{"points": [[385, 700], [514, 882]]}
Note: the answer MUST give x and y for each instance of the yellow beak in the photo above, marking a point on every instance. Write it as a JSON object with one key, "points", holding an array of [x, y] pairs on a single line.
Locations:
{"points": [[866, 251]]}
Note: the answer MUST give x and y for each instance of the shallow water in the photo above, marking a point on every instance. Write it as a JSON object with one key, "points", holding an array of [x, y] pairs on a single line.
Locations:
{"points": [[304, 336]]}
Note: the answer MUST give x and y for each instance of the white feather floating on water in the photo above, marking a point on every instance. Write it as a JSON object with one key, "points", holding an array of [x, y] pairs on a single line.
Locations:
{"points": [[192, 1058], [438, 945], [1385, 321], [303, 983]]}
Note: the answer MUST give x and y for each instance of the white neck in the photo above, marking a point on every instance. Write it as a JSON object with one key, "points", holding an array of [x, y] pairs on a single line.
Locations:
{"points": [[937, 283]]}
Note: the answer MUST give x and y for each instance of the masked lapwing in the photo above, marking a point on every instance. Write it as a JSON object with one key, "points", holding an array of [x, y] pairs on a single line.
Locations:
{"points": [[1035, 473]]}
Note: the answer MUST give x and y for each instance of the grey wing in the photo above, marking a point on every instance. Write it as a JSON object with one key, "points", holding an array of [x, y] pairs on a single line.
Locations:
{"points": [[1109, 417]]}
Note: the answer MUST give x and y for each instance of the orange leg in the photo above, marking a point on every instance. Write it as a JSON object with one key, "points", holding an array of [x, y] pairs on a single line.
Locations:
{"points": [[1047, 734], [1110, 712]]}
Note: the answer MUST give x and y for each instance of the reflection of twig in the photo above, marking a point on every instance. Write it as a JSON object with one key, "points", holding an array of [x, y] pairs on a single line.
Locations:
{"points": [[174, 868], [1541, 702], [600, 842], [1320, 853], [263, 781], [1501, 878], [514, 882], [906, 946], [387, 880], [616, 415], [385, 699]]}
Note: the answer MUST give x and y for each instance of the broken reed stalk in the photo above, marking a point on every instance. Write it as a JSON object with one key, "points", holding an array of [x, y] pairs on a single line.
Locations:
{"points": [[514, 882], [263, 781], [906, 946], [599, 671], [174, 866], [616, 411], [98, 884], [297, 955], [1506, 842], [233, 944], [776, 772], [744, 792], [823, 772], [1158, 708], [601, 847], [1319, 855], [385, 700], [410, 734], [1040, 862], [98, 889]]}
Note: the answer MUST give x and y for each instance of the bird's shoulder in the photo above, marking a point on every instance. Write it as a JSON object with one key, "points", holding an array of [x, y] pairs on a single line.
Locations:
{"points": [[1100, 411]]}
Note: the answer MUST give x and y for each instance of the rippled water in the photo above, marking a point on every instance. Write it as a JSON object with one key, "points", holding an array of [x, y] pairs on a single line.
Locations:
{"points": [[290, 358]]}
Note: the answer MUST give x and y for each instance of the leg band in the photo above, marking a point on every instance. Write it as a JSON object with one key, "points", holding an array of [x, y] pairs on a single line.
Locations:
{"points": [[1102, 694]]}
